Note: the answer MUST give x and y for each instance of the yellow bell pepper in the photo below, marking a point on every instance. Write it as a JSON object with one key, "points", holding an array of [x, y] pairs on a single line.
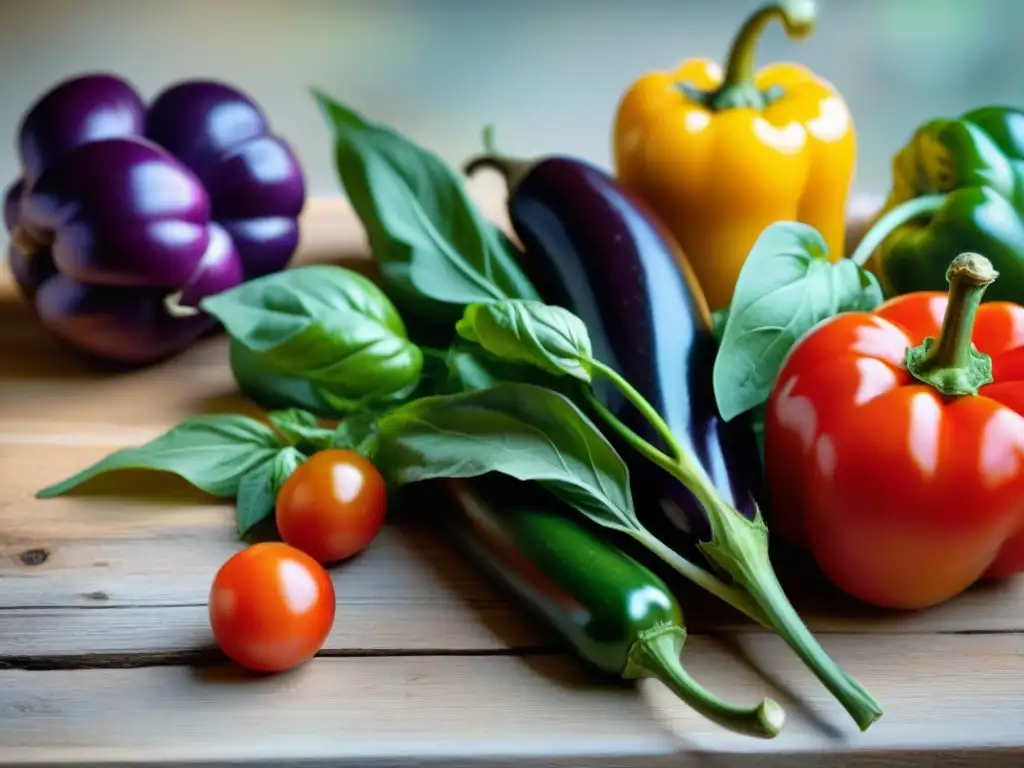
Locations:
{"points": [[720, 157]]}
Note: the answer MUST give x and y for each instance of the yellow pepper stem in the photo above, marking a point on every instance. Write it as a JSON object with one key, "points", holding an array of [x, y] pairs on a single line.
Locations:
{"points": [[738, 88]]}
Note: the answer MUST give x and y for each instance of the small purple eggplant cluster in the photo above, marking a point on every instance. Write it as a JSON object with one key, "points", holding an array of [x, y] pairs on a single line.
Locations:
{"points": [[126, 216]]}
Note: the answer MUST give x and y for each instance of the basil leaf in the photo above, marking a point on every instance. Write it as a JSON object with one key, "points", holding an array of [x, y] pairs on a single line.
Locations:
{"points": [[548, 337], [328, 325], [211, 452], [301, 427], [435, 251], [786, 287], [358, 433], [520, 430], [470, 368], [271, 388], [257, 492]]}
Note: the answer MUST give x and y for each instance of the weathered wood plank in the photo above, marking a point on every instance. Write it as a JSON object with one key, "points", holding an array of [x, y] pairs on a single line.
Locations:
{"points": [[132, 543], [943, 697]]}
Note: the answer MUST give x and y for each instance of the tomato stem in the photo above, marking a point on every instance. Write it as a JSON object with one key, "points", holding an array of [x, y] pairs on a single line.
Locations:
{"points": [[951, 363], [656, 654]]}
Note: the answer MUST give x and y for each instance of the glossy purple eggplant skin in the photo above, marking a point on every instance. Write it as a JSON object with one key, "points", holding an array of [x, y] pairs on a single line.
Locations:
{"points": [[120, 208], [594, 249]]}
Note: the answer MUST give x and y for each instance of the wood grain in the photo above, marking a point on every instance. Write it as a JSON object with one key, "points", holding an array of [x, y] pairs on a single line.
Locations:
{"points": [[131, 546], [945, 697], [106, 657]]}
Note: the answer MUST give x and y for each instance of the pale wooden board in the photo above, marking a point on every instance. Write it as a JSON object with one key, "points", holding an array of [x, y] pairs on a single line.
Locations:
{"points": [[129, 562], [133, 544], [402, 711]]}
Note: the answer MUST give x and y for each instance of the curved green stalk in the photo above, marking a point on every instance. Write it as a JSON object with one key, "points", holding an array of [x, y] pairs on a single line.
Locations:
{"points": [[893, 219], [740, 548], [656, 655]]}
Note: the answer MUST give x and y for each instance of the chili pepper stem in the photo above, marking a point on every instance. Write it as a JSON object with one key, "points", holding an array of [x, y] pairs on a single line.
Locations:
{"points": [[739, 88], [951, 363], [656, 655], [893, 219], [514, 170]]}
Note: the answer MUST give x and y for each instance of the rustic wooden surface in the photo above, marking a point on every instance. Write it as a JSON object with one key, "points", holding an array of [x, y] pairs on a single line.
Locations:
{"points": [[106, 657]]}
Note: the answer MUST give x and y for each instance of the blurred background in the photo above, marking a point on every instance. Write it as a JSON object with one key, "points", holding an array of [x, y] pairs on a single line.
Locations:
{"points": [[548, 73]]}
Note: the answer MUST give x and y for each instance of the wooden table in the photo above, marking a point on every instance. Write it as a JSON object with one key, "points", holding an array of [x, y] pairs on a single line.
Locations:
{"points": [[106, 656]]}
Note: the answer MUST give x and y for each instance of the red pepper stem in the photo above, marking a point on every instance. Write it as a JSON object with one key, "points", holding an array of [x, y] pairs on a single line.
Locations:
{"points": [[514, 170], [656, 655], [896, 217], [951, 363], [738, 88]]}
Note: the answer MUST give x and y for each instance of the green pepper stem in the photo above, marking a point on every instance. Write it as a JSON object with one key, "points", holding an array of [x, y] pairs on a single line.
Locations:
{"points": [[656, 655], [951, 363], [738, 89], [903, 213], [740, 548], [512, 169]]}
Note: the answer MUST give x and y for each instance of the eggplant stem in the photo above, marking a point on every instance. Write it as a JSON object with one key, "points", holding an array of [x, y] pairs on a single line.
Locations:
{"points": [[656, 655], [740, 548], [513, 170]]}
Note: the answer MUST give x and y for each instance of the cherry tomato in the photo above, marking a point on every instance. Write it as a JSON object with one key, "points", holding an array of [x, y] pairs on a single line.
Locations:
{"points": [[332, 506], [271, 607]]}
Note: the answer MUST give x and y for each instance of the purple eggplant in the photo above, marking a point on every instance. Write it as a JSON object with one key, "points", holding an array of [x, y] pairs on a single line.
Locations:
{"points": [[124, 218], [594, 249]]}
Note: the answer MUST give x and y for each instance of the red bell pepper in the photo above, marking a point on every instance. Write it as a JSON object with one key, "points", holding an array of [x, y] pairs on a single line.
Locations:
{"points": [[895, 447]]}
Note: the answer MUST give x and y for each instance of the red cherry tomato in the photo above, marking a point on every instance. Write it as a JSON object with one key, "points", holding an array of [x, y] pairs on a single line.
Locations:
{"points": [[332, 506], [271, 607]]}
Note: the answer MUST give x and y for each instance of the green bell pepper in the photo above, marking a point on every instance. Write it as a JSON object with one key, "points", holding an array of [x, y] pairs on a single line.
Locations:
{"points": [[958, 185]]}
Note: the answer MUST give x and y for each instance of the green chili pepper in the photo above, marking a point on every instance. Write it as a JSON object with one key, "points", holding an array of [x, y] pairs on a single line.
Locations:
{"points": [[957, 186], [615, 613]]}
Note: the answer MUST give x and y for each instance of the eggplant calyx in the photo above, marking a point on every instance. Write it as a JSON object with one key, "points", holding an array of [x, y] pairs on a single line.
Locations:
{"points": [[174, 307], [513, 169], [28, 242]]}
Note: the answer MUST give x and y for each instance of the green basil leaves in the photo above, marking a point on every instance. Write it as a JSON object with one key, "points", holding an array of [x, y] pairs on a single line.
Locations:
{"points": [[548, 337], [225, 455], [786, 287], [435, 251], [520, 430], [326, 326], [212, 453]]}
